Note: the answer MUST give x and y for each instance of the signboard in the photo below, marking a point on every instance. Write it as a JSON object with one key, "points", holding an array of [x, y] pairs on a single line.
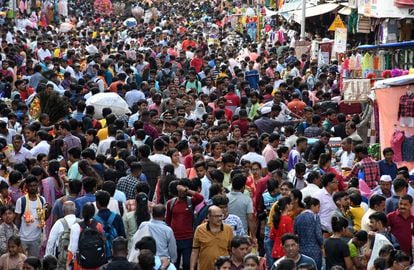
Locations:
{"points": [[382, 9], [337, 23], [325, 51], [340, 40]]}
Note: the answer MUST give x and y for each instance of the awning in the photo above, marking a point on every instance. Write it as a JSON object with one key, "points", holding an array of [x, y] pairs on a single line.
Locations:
{"points": [[396, 81], [314, 11], [345, 11], [291, 6], [394, 45]]}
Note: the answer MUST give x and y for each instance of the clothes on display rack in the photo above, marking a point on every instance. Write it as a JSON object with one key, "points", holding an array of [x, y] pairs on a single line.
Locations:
{"points": [[406, 110], [396, 142], [367, 64], [408, 149]]}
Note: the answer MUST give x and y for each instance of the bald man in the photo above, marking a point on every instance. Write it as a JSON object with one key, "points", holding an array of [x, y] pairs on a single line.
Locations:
{"points": [[211, 240], [69, 218]]}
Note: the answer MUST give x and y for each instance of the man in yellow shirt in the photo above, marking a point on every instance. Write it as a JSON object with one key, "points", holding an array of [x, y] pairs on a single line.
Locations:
{"points": [[211, 240]]}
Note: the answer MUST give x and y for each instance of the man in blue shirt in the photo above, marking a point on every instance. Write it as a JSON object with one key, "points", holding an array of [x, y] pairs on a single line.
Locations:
{"points": [[111, 222], [387, 166], [89, 185], [252, 76]]}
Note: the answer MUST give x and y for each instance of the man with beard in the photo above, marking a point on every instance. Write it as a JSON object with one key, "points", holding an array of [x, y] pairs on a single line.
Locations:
{"points": [[32, 211]]}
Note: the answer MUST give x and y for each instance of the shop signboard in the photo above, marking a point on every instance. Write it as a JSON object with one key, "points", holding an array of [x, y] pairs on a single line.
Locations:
{"points": [[340, 40], [337, 23], [382, 9]]}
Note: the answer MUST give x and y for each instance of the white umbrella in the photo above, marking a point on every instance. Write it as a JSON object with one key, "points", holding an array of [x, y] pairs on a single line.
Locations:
{"points": [[118, 106], [130, 22]]}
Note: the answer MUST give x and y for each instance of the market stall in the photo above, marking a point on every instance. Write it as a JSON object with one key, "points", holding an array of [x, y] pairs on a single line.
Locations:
{"points": [[395, 98]]}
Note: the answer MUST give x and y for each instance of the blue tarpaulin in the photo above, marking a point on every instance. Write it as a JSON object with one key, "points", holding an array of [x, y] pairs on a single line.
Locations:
{"points": [[396, 45]]}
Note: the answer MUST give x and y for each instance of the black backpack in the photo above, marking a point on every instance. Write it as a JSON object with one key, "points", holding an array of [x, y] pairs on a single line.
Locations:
{"points": [[91, 246]]}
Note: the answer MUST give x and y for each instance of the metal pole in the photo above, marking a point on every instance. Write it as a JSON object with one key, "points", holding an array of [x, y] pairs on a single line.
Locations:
{"points": [[303, 21]]}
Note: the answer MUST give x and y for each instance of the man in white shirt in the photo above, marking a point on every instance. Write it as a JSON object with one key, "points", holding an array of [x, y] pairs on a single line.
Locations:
{"points": [[328, 206], [376, 204], [252, 156], [347, 156], [92, 48], [67, 68], [6, 133], [285, 112], [313, 185], [43, 52], [158, 156], [297, 176], [19, 154], [105, 144], [351, 131], [42, 147], [60, 226]]}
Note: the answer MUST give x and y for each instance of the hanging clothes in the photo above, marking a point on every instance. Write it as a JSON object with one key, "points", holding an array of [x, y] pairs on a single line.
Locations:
{"points": [[408, 149], [353, 21], [376, 62], [352, 63], [397, 140], [406, 110]]}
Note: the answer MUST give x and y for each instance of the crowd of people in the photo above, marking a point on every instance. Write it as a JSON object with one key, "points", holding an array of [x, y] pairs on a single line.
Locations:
{"points": [[224, 158]]}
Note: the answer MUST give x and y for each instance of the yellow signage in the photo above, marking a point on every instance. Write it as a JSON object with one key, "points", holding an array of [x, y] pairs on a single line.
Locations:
{"points": [[337, 23]]}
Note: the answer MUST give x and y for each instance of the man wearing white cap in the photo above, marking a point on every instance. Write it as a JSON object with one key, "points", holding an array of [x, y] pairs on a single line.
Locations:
{"points": [[384, 187], [266, 122]]}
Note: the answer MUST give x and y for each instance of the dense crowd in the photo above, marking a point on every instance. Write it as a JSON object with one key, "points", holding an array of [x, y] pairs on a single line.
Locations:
{"points": [[231, 152]]}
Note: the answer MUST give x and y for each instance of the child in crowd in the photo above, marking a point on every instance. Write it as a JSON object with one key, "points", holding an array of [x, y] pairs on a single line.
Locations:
{"points": [[7, 228], [14, 258], [356, 210]]}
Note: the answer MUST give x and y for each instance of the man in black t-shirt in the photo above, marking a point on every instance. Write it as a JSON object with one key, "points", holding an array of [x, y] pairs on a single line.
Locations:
{"points": [[120, 252], [320, 147]]}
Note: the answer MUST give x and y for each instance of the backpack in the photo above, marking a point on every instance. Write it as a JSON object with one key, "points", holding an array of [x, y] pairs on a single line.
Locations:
{"points": [[23, 203], [110, 232], [201, 215], [91, 246], [166, 77], [62, 249]]}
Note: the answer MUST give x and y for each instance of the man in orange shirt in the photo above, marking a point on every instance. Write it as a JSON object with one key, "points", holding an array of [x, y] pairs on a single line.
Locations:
{"points": [[121, 80], [296, 105], [188, 42]]}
